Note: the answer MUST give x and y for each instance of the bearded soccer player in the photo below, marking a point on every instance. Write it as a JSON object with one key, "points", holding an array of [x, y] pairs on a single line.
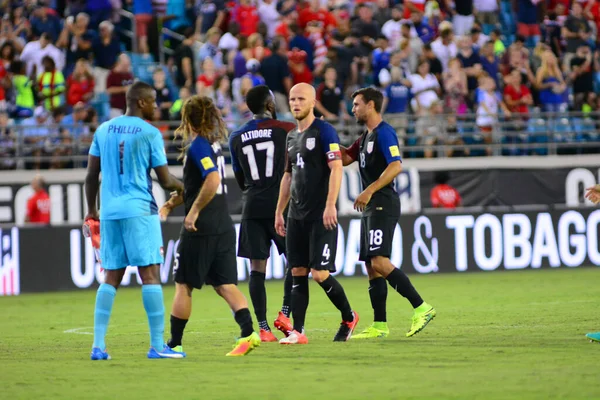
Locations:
{"points": [[125, 149], [379, 163], [593, 195], [312, 181], [258, 160]]}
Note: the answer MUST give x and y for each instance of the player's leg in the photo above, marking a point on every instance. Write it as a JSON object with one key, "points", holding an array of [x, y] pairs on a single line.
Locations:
{"points": [[181, 310], [143, 246], [297, 245], [114, 262], [323, 249], [282, 322], [222, 275]]}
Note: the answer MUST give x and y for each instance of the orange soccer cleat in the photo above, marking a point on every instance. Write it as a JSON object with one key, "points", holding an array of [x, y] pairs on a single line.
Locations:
{"points": [[267, 336], [283, 324]]}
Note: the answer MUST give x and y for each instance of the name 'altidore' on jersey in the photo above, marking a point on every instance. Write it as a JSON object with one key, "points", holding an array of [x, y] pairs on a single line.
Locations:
{"points": [[202, 159], [258, 150], [377, 150], [308, 155], [129, 148]]}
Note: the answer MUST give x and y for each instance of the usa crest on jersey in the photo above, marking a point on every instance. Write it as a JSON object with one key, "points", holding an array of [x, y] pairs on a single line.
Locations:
{"points": [[370, 147], [310, 143]]}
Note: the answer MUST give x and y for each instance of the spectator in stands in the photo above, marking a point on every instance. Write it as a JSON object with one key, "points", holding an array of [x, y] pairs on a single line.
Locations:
{"points": [[298, 68], [289, 16], [164, 97], [424, 31], [444, 47], [184, 61], [382, 12], [392, 28], [21, 28], [330, 98], [212, 15], [489, 104], [77, 40], [74, 123], [257, 47], [471, 62], [499, 48], [413, 5], [317, 14], [365, 26], [517, 96], [38, 205], [230, 41], [205, 80], [517, 56], [246, 14], [487, 12], [223, 100], [34, 52], [489, 62], [395, 101], [44, 22], [415, 44], [175, 111], [7, 34], [211, 48], [380, 58], [577, 32], [267, 11], [35, 133], [425, 89], [462, 17], [23, 89], [443, 195], [51, 85], [300, 42], [277, 75], [117, 83], [80, 85], [551, 33], [456, 89], [435, 65], [8, 143], [477, 38], [582, 75], [106, 49], [527, 20], [101, 10], [550, 83], [142, 9]]}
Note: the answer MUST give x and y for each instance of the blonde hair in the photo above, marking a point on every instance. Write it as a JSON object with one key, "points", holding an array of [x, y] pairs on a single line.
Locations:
{"points": [[200, 116]]}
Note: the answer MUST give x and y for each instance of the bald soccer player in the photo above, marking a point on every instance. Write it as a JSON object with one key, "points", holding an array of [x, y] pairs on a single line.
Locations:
{"points": [[312, 181]]}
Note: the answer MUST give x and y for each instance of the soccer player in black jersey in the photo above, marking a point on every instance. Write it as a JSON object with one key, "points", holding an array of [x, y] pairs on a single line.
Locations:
{"points": [[378, 155], [312, 180], [206, 251], [258, 159]]}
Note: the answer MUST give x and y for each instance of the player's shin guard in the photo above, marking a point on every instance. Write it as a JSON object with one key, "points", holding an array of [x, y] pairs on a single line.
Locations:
{"points": [[286, 307], [400, 282], [337, 296], [244, 320], [152, 296], [378, 294], [105, 297], [258, 295], [299, 301]]}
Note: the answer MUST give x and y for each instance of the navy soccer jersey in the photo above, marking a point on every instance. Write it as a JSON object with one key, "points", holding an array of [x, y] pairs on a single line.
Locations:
{"points": [[202, 159], [374, 152], [258, 150], [308, 155], [129, 148]]}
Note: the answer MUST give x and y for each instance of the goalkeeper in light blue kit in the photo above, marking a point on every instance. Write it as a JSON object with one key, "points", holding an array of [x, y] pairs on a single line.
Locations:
{"points": [[593, 195], [125, 150]]}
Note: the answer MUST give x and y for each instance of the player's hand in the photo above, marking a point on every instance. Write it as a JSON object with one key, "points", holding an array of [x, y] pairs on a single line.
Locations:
{"points": [[280, 225], [164, 211], [92, 215], [593, 194], [362, 200], [190, 221], [330, 218]]}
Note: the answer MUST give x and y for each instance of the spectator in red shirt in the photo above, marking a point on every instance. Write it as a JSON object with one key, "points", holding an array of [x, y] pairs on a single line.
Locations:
{"points": [[516, 95], [117, 83], [38, 205], [317, 14], [444, 195], [247, 16], [80, 85], [298, 68]]}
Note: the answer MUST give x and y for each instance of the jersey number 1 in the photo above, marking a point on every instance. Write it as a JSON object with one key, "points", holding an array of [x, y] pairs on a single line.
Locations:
{"points": [[121, 156], [249, 152]]}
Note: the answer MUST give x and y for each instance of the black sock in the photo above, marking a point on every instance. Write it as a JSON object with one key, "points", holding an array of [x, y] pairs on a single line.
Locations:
{"points": [[378, 294], [400, 282], [244, 320], [336, 295], [287, 292], [299, 301], [177, 328], [258, 295]]}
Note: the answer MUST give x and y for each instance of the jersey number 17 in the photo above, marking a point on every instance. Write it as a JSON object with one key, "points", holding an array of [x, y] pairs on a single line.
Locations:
{"points": [[248, 150]]}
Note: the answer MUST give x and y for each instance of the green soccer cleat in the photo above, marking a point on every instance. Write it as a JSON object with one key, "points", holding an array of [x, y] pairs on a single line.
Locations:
{"points": [[594, 337], [376, 330], [245, 345], [421, 319], [178, 349]]}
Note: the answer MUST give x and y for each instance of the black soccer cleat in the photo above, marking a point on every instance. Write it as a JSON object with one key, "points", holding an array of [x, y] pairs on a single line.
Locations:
{"points": [[346, 329]]}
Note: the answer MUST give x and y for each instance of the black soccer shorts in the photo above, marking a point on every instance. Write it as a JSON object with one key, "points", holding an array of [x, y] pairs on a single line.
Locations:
{"points": [[255, 239], [206, 259], [310, 245], [376, 236]]}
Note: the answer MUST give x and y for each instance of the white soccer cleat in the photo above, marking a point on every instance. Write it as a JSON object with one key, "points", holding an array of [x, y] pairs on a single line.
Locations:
{"points": [[294, 338]]}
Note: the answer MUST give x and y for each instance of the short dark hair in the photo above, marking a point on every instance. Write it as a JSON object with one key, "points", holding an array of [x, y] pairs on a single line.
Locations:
{"points": [[370, 94], [138, 91], [441, 177], [257, 99]]}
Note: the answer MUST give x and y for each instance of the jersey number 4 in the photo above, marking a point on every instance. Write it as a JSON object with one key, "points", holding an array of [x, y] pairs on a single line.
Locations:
{"points": [[269, 147]]}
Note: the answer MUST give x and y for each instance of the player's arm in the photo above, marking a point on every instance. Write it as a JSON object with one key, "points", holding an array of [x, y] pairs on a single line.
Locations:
{"points": [[284, 197], [350, 154], [92, 183], [235, 165], [167, 181], [331, 146], [593, 194], [158, 159], [388, 145], [209, 188]]}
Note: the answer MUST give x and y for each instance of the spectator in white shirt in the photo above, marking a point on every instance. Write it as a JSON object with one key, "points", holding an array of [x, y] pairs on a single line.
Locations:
{"points": [[392, 29], [267, 11], [34, 52], [444, 47], [487, 12]]}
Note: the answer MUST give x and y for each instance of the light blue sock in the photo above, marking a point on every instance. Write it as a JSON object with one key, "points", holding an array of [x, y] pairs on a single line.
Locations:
{"points": [[154, 305], [105, 297]]}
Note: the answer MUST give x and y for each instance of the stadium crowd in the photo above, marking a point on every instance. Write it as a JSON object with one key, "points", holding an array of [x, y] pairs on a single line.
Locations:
{"points": [[450, 70]]}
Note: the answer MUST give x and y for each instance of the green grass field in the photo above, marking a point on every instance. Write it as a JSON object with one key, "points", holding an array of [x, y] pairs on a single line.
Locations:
{"points": [[508, 335]]}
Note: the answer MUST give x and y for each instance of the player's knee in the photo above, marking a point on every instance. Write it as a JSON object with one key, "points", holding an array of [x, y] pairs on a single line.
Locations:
{"points": [[299, 271], [259, 266], [149, 275], [381, 265], [225, 290], [319, 276], [371, 272]]}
